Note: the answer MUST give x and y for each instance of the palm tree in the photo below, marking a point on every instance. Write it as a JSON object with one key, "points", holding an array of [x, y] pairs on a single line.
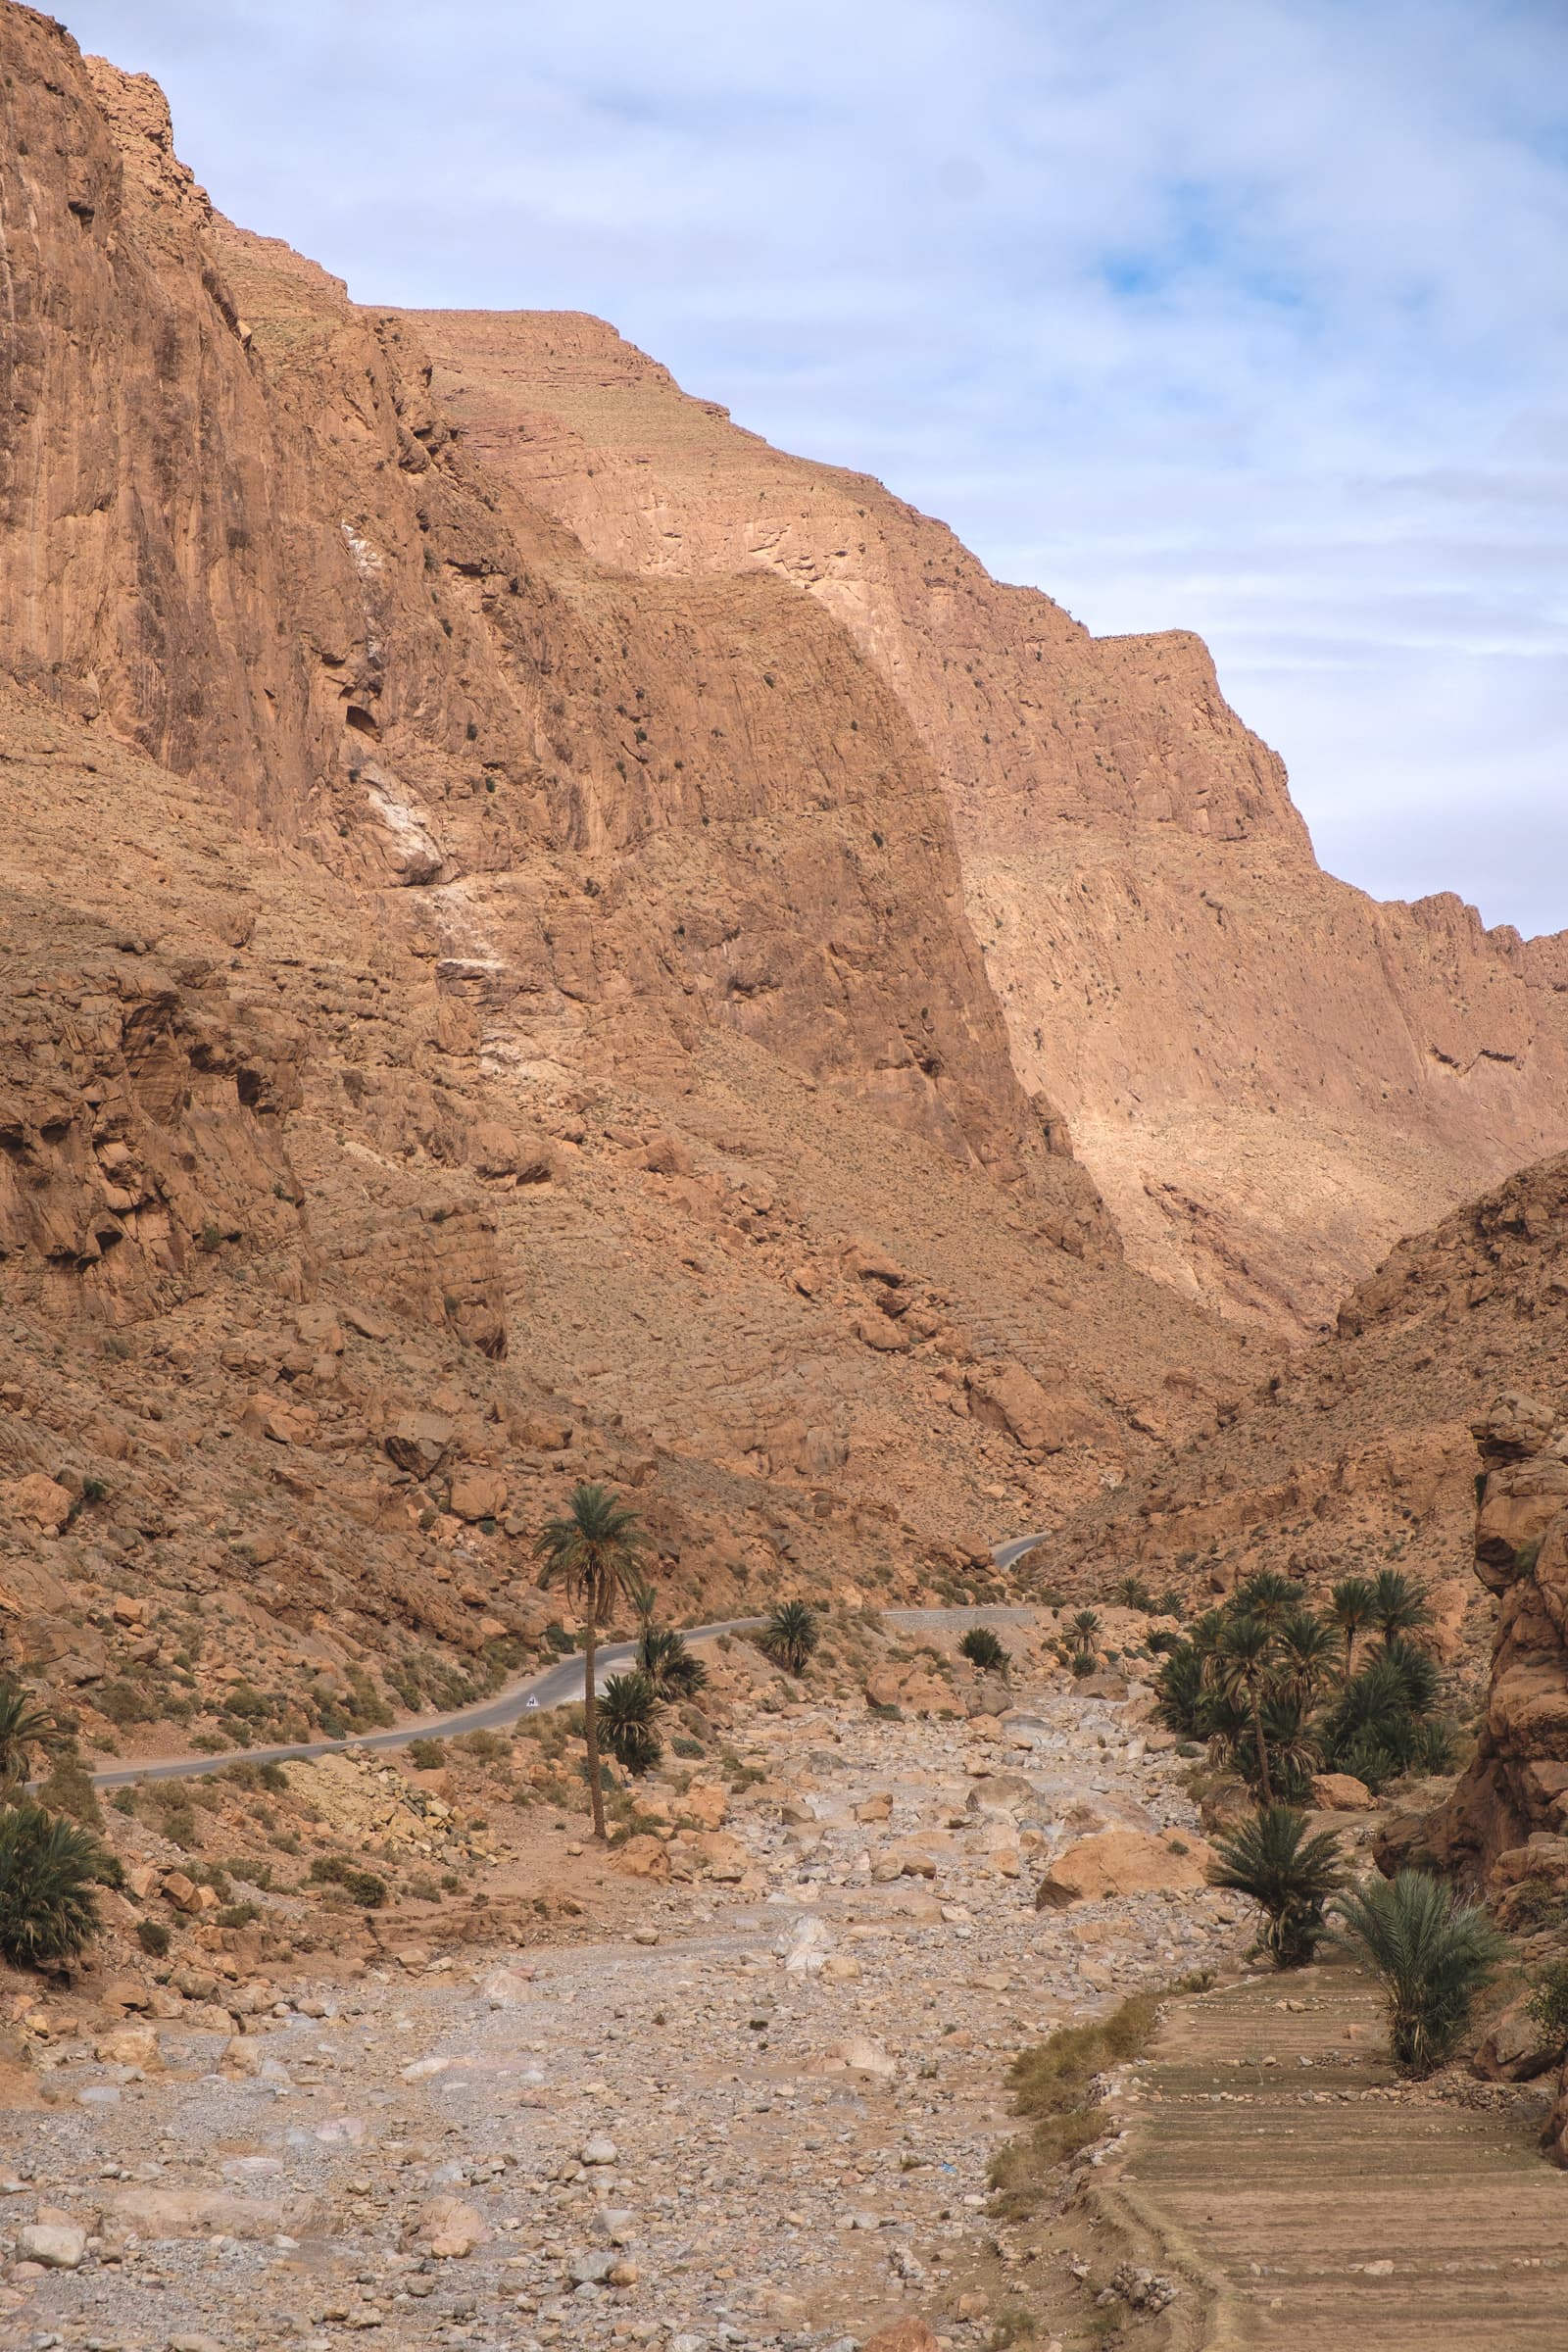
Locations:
{"points": [[1290, 1875], [1179, 1689], [1398, 1605], [47, 1868], [1433, 1954], [629, 1708], [1351, 1606], [672, 1669], [594, 1549], [1305, 1644], [791, 1635], [1237, 1670], [981, 1647], [1270, 1598], [22, 1728]]}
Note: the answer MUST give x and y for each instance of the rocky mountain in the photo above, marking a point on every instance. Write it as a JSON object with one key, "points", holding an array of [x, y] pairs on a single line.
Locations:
{"points": [[1269, 1075], [472, 1018], [1360, 1452]]}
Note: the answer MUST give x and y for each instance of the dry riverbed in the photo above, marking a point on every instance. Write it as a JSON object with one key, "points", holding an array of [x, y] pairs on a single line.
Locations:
{"points": [[760, 2116]]}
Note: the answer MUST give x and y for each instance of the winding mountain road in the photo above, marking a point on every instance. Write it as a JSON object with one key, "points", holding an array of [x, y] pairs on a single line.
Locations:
{"points": [[552, 1687]]}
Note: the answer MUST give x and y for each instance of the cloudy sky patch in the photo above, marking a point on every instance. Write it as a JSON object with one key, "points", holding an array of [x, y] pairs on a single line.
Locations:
{"points": [[1248, 317]]}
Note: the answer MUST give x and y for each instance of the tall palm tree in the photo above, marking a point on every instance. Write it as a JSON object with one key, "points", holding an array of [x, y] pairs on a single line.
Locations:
{"points": [[1239, 1670], [594, 1550], [1352, 1606]]}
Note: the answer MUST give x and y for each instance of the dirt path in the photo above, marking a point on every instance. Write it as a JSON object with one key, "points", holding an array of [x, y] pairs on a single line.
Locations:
{"points": [[1278, 2151]]}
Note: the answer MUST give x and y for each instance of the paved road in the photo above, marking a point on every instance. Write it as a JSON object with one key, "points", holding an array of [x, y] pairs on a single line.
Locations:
{"points": [[555, 1686]]}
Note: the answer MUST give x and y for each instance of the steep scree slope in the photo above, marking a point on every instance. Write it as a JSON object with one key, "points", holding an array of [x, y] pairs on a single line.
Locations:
{"points": [[1269, 1075]]}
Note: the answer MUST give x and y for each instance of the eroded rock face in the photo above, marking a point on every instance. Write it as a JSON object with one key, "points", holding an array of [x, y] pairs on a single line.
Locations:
{"points": [[1117, 822], [1517, 1787]]}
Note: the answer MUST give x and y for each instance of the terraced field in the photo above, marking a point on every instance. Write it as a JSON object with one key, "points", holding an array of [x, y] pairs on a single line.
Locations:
{"points": [[1328, 2206]]}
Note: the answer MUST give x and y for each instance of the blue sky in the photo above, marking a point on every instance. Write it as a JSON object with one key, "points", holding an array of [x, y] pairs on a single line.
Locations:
{"points": [[1244, 316]]}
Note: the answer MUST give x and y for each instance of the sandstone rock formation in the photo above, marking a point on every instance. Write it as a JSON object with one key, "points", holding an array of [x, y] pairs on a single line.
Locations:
{"points": [[1270, 1076], [1516, 1789]]}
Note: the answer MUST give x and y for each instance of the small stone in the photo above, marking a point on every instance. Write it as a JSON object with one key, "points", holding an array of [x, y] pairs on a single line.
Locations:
{"points": [[599, 2150]]}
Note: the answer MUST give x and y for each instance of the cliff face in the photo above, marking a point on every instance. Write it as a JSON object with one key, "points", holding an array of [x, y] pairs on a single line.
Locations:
{"points": [[474, 1019], [1269, 1075]]}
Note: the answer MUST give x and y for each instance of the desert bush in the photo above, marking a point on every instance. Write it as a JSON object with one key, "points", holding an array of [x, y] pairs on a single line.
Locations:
{"points": [[1432, 1954], [68, 1788], [1548, 2003], [426, 1755], [154, 1938], [984, 1650], [47, 1870], [1288, 1875], [362, 1887]]}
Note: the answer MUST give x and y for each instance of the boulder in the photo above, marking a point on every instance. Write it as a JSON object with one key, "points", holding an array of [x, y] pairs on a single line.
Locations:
{"points": [[1516, 2048], [1040, 1419], [478, 1494], [1123, 1862], [128, 2045], [1341, 1792], [35, 1501], [56, 2246], [448, 2229], [644, 1858]]}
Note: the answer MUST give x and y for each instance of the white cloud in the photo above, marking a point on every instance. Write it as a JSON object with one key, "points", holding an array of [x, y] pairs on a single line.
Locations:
{"points": [[1247, 316]]}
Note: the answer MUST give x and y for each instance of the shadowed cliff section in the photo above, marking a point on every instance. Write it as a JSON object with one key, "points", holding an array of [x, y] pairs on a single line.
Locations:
{"points": [[1269, 1075]]}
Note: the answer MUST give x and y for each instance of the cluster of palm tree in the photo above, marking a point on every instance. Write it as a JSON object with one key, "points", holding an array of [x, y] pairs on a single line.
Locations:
{"points": [[1280, 1692], [48, 1866], [1431, 1952]]}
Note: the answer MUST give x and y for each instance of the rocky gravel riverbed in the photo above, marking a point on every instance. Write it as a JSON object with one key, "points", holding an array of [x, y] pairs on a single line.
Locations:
{"points": [[761, 2118]]}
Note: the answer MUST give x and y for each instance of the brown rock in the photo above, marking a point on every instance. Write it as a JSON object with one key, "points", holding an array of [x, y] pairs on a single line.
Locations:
{"points": [[902, 2335], [478, 1495], [1341, 1792], [1123, 1862], [450, 2230], [37, 1501]]}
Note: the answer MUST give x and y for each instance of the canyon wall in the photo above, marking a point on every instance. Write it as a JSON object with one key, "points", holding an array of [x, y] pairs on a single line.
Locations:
{"points": [[1269, 1075], [474, 1019]]}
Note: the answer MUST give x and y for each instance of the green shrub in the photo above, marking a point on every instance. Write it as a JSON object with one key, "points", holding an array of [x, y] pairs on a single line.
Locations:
{"points": [[47, 1870], [1179, 1691], [236, 1915], [486, 1746], [69, 1790], [154, 1938], [688, 1748], [1288, 1875], [1432, 1953], [426, 1755], [362, 1887]]}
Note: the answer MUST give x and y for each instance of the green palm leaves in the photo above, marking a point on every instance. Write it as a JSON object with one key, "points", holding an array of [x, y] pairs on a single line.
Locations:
{"points": [[47, 1869], [1288, 1875], [1432, 1954]]}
